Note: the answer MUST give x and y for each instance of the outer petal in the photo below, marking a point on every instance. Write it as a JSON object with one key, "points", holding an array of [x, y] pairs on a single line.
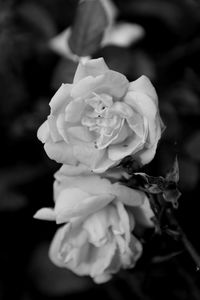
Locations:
{"points": [[72, 202], [143, 214], [45, 213], [148, 153], [60, 99], [60, 152], [87, 154], [43, 132], [54, 250], [129, 147], [70, 170], [111, 82], [127, 195], [93, 67], [144, 86], [141, 103]]}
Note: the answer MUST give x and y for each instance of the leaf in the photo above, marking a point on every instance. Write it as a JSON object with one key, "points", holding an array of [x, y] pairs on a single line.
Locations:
{"points": [[88, 29], [32, 13], [173, 174]]}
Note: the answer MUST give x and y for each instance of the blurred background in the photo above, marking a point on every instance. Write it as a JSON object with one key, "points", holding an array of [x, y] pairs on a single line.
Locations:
{"points": [[165, 46]]}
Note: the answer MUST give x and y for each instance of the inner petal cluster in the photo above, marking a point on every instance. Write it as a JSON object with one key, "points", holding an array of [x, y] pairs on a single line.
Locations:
{"points": [[101, 120]]}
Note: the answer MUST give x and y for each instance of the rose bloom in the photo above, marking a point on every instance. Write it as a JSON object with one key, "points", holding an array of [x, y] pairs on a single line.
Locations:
{"points": [[99, 216], [101, 118]]}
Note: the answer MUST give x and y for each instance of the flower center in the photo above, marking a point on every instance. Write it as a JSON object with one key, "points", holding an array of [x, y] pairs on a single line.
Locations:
{"points": [[100, 119]]}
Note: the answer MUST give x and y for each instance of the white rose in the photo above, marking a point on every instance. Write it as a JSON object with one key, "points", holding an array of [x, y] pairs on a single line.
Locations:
{"points": [[100, 217], [101, 118]]}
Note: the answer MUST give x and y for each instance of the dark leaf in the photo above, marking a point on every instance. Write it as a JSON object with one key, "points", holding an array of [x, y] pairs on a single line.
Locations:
{"points": [[173, 174], [88, 28], [172, 196]]}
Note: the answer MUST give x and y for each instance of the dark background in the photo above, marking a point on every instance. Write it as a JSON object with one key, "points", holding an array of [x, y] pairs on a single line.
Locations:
{"points": [[30, 73]]}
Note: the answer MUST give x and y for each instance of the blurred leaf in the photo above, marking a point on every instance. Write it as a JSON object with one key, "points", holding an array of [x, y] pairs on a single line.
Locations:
{"points": [[192, 146], [38, 18], [88, 28], [51, 280], [173, 174]]}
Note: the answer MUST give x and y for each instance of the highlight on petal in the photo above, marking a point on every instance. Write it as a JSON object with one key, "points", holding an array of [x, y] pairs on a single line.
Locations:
{"points": [[43, 132], [45, 213], [73, 202], [144, 86], [93, 67]]}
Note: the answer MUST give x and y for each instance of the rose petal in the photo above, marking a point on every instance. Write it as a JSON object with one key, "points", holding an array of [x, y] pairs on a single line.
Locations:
{"points": [[141, 103], [87, 154], [93, 67], [70, 170], [129, 147], [81, 133], [91, 184], [60, 99], [74, 111], [97, 225], [45, 213], [143, 214], [60, 152], [127, 195], [54, 250], [73, 202], [144, 86], [55, 135], [43, 133], [111, 82]]}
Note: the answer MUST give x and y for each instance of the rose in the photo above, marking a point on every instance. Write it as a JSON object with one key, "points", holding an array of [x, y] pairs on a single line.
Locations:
{"points": [[98, 246], [102, 118], [101, 213]]}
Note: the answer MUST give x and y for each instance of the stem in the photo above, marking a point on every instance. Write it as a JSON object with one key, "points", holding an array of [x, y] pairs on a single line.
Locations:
{"points": [[187, 244]]}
